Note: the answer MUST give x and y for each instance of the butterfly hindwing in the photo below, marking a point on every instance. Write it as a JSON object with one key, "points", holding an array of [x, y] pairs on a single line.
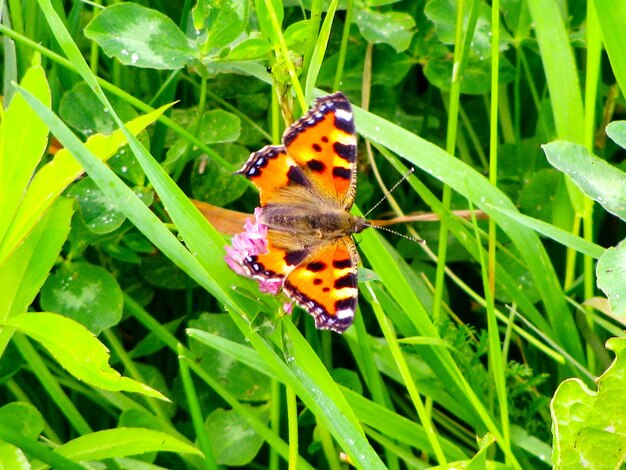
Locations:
{"points": [[277, 262], [323, 144], [325, 284]]}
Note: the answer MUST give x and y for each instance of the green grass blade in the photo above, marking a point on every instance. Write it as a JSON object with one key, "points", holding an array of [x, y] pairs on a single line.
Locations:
{"points": [[460, 177], [319, 51], [557, 234], [560, 68], [21, 146], [612, 18]]}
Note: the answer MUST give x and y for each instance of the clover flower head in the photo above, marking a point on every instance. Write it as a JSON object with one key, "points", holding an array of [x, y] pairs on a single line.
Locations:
{"points": [[252, 241]]}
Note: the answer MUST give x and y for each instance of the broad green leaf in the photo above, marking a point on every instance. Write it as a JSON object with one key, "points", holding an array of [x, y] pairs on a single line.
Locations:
{"points": [[221, 22], [219, 126], [611, 274], [216, 126], [393, 28], [617, 132], [25, 271], [536, 198], [86, 293], [598, 179], [517, 18], [52, 179], [299, 34], [124, 164], [81, 109], [97, 210], [99, 213], [21, 149], [244, 383], [242, 353], [233, 440], [263, 16], [250, 49], [152, 343], [589, 427], [121, 442], [476, 76], [210, 182], [159, 271], [77, 350], [386, 58], [443, 15], [140, 36], [23, 418], [13, 458]]}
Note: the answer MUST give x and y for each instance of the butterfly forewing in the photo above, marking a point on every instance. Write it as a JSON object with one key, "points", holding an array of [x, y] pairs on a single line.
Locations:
{"points": [[323, 144]]}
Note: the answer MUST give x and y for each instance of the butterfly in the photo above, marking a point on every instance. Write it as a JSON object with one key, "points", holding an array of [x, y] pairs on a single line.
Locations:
{"points": [[307, 186]]}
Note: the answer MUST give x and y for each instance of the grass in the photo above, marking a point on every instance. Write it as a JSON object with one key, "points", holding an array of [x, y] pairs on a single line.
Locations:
{"points": [[457, 348]]}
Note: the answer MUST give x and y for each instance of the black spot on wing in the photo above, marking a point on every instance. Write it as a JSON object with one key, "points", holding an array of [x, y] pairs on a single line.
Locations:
{"points": [[340, 172], [317, 281], [324, 139], [342, 263], [347, 152], [316, 266], [316, 166], [296, 176], [349, 280], [317, 147], [294, 258], [346, 304]]}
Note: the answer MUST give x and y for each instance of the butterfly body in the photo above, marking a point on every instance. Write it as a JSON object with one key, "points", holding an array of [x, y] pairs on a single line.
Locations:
{"points": [[307, 187]]}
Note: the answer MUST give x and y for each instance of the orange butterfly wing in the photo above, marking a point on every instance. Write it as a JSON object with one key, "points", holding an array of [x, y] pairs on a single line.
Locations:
{"points": [[323, 144], [325, 284], [318, 159]]}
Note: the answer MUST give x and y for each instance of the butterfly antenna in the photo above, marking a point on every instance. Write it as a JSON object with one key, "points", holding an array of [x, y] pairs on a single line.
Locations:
{"points": [[406, 175], [416, 240]]}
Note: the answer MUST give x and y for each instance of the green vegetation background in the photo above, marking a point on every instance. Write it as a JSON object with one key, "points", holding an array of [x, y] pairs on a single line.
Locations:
{"points": [[125, 340]]}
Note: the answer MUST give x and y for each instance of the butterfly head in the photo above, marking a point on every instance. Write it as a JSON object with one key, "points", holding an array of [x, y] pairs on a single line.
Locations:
{"points": [[361, 224]]}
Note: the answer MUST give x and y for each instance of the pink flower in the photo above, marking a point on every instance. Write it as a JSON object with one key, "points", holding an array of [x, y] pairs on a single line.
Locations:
{"points": [[252, 241]]}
